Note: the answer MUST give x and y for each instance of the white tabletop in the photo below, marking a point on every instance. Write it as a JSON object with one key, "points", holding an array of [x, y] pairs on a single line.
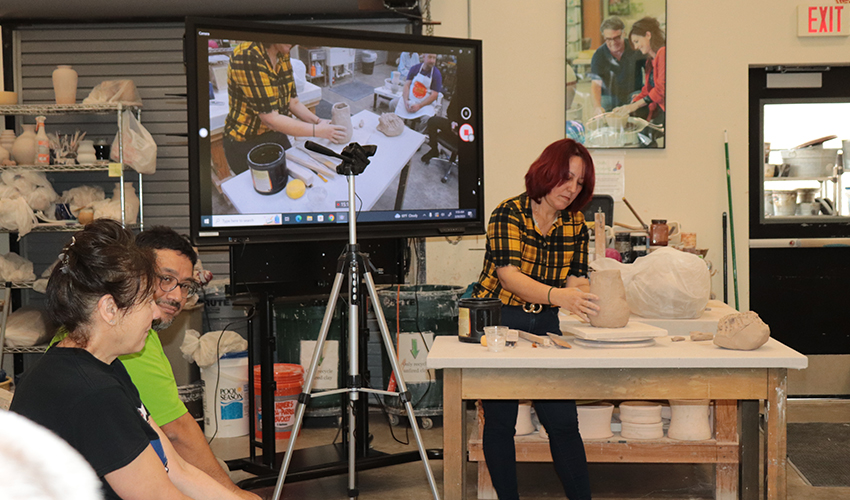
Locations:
{"points": [[449, 352], [392, 155]]}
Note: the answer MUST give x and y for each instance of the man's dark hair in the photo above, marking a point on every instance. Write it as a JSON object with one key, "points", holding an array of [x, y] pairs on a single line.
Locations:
{"points": [[165, 238]]}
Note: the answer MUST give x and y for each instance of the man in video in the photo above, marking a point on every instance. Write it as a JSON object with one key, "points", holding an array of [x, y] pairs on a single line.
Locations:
{"points": [[615, 69], [262, 96], [421, 88]]}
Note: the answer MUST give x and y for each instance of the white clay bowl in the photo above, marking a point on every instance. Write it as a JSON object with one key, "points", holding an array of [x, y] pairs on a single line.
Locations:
{"points": [[642, 431], [594, 421], [640, 412]]}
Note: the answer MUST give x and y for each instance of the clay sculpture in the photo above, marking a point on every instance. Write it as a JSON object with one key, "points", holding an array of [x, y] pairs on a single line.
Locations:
{"points": [[741, 331], [613, 308], [390, 124], [341, 115]]}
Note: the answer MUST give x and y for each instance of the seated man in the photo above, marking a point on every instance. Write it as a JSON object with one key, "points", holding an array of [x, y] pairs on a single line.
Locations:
{"points": [[421, 88], [150, 369], [446, 129]]}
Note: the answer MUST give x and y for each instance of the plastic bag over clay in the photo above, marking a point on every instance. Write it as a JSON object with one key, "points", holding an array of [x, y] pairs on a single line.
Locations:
{"points": [[390, 124], [111, 208], [667, 283], [16, 215], [123, 91], [13, 267], [81, 197]]}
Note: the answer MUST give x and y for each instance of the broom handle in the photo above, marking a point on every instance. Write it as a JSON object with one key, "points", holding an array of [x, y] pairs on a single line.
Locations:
{"points": [[731, 219]]}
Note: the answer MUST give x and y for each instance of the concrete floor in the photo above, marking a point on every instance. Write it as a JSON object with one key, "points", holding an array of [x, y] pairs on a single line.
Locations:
{"points": [[537, 481]]}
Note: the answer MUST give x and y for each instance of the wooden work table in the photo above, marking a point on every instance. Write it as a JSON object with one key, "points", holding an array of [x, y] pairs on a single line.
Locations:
{"points": [[667, 370]]}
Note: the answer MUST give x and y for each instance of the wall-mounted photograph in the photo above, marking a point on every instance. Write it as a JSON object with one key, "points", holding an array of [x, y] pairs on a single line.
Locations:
{"points": [[616, 66]]}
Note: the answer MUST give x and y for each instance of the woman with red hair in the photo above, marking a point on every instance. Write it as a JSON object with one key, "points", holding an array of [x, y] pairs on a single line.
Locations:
{"points": [[536, 263]]}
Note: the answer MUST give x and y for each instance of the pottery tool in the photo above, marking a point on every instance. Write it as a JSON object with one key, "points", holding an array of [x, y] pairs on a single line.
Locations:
{"points": [[309, 163], [731, 218], [599, 235], [645, 227], [632, 331], [324, 161], [537, 339], [559, 340]]}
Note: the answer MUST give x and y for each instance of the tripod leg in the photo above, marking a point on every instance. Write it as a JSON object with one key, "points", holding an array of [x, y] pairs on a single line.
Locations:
{"points": [[303, 399], [353, 369], [404, 395]]}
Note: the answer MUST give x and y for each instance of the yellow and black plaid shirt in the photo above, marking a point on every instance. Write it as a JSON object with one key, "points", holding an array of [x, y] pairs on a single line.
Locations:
{"points": [[255, 88], [512, 240]]}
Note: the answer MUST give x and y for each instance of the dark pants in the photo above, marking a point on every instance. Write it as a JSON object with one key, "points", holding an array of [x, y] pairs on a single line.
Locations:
{"points": [[558, 417], [236, 152], [440, 128]]}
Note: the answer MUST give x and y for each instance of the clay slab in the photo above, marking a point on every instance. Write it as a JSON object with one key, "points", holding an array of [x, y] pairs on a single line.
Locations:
{"points": [[634, 330]]}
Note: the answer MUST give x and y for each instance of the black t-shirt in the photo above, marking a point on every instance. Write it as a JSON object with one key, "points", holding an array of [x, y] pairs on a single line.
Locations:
{"points": [[93, 406]]}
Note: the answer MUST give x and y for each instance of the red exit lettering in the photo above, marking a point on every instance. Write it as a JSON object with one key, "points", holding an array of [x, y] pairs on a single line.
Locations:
{"points": [[825, 19]]}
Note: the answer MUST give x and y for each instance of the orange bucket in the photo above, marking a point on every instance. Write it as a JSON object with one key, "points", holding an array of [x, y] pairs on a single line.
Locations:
{"points": [[289, 379]]}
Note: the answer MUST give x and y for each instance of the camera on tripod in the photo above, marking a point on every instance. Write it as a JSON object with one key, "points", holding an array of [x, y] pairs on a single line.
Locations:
{"points": [[355, 158]]}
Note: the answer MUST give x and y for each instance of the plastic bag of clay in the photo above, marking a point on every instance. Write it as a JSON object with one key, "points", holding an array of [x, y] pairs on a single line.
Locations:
{"points": [[29, 326], [667, 283], [111, 209], [206, 349], [123, 91], [13, 267], [390, 124], [7, 191], [139, 146], [81, 197], [16, 215]]}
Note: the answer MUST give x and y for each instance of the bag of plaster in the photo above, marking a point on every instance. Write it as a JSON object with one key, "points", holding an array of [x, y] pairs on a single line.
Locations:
{"points": [[667, 283], [139, 146], [123, 91]]}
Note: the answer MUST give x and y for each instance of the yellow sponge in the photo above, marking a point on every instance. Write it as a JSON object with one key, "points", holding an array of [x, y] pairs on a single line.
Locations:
{"points": [[295, 189]]}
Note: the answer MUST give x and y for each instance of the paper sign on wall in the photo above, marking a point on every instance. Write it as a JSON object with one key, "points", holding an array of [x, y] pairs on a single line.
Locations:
{"points": [[823, 20], [610, 175], [412, 354], [327, 373]]}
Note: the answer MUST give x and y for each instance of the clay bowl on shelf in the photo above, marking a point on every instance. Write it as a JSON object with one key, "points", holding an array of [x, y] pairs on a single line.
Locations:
{"points": [[7, 97]]}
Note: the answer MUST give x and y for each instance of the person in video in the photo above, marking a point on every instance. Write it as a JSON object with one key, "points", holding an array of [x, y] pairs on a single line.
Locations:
{"points": [[150, 370], [615, 68], [647, 37], [103, 291], [422, 86], [442, 128], [262, 96], [535, 262]]}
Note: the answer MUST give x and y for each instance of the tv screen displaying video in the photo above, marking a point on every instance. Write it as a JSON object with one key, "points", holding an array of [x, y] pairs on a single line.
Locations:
{"points": [[259, 93]]}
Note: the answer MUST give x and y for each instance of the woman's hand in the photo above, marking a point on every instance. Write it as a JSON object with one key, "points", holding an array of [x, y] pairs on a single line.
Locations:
{"points": [[335, 133], [576, 301], [628, 109]]}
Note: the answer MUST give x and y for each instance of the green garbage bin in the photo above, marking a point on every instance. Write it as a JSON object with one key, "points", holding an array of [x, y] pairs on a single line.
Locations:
{"points": [[415, 314], [297, 326]]}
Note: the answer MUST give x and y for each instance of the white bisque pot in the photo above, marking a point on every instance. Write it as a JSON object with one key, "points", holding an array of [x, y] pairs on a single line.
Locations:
{"points": [[594, 421], [524, 425], [689, 420], [65, 85], [640, 412]]}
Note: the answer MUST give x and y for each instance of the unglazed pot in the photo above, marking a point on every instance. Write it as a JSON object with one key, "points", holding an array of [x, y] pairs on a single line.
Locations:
{"points": [[524, 425], [689, 420], [7, 139], [65, 85], [341, 115], [23, 150], [613, 309], [640, 412], [633, 430], [594, 421]]}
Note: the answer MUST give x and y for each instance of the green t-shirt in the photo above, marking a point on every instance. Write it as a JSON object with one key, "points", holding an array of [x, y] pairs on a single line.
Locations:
{"points": [[151, 373]]}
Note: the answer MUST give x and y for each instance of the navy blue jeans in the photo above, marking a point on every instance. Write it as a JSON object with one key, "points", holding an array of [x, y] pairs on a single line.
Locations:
{"points": [[558, 417]]}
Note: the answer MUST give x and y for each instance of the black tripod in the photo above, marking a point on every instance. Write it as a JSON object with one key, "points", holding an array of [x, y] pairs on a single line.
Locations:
{"points": [[356, 265]]}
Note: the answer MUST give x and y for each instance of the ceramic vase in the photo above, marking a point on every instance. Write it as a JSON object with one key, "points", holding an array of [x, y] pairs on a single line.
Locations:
{"points": [[23, 150], [613, 309], [65, 85], [7, 138], [640, 412], [689, 420], [341, 115], [85, 153], [524, 425], [594, 421]]}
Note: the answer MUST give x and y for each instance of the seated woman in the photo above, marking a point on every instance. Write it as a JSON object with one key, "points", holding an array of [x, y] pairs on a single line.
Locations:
{"points": [[102, 291]]}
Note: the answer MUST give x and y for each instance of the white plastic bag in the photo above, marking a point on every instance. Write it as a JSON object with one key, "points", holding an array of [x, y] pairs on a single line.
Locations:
{"points": [[81, 197], [139, 146], [123, 91], [667, 283], [16, 215], [13, 267]]}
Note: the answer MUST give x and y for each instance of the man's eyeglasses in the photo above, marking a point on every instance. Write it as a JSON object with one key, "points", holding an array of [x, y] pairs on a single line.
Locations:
{"points": [[169, 283], [616, 38]]}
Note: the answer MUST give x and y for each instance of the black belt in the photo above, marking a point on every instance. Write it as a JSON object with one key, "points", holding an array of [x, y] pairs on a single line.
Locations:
{"points": [[535, 308]]}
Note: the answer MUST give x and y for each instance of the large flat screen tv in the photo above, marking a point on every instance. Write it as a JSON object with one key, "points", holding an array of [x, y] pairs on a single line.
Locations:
{"points": [[251, 183]]}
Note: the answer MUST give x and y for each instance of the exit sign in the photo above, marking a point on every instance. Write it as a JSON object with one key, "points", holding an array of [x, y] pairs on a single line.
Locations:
{"points": [[824, 19]]}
